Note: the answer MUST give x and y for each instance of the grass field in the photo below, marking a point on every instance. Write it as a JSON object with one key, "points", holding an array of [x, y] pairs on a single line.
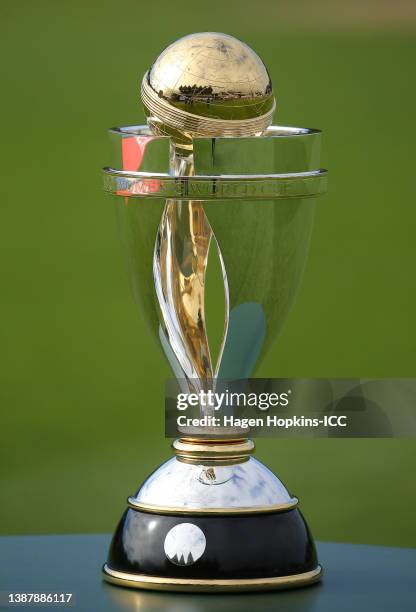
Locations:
{"points": [[81, 381]]}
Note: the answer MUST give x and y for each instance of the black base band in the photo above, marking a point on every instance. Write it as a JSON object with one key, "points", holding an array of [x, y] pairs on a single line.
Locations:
{"points": [[238, 548]]}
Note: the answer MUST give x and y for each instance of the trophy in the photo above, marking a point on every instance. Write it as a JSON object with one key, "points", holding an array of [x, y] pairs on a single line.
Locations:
{"points": [[209, 171]]}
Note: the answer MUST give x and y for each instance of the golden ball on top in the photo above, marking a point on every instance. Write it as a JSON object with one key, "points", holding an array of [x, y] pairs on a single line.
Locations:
{"points": [[208, 84]]}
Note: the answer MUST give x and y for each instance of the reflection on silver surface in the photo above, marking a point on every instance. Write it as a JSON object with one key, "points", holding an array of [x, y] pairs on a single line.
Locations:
{"points": [[184, 544], [180, 259], [241, 195], [179, 269], [250, 198], [183, 485], [255, 188], [208, 83]]}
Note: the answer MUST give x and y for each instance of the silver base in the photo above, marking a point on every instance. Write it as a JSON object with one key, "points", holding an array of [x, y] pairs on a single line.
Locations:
{"points": [[190, 527], [179, 487]]}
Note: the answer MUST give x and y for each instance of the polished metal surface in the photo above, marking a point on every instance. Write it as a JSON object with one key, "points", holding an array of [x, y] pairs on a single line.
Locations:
{"points": [[280, 150], [283, 507], [163, 120], [206, 585], [282, 164], [180, 260], [209, 172], [179, 267], [309, 184], [184, 487], [210, 84], [203, 449], [226, 194]]}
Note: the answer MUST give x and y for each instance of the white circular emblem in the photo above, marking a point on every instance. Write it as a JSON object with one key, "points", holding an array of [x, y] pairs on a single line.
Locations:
{"points": [[184, 544]]}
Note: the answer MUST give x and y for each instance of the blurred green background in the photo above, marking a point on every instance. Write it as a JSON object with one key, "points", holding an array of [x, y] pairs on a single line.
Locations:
{"points": [[81, 380]]}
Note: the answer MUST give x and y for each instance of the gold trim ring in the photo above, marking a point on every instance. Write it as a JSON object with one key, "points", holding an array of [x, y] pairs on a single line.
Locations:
{"points": [[197, 124], [185, 511], [212, 450], [206, 585]]}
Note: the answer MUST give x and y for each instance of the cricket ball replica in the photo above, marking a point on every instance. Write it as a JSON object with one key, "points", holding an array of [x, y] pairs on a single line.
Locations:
{"points": [[209, 171]]}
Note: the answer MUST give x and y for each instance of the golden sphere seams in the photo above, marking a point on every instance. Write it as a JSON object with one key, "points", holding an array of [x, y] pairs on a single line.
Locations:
{"points": [[209, 84]]}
